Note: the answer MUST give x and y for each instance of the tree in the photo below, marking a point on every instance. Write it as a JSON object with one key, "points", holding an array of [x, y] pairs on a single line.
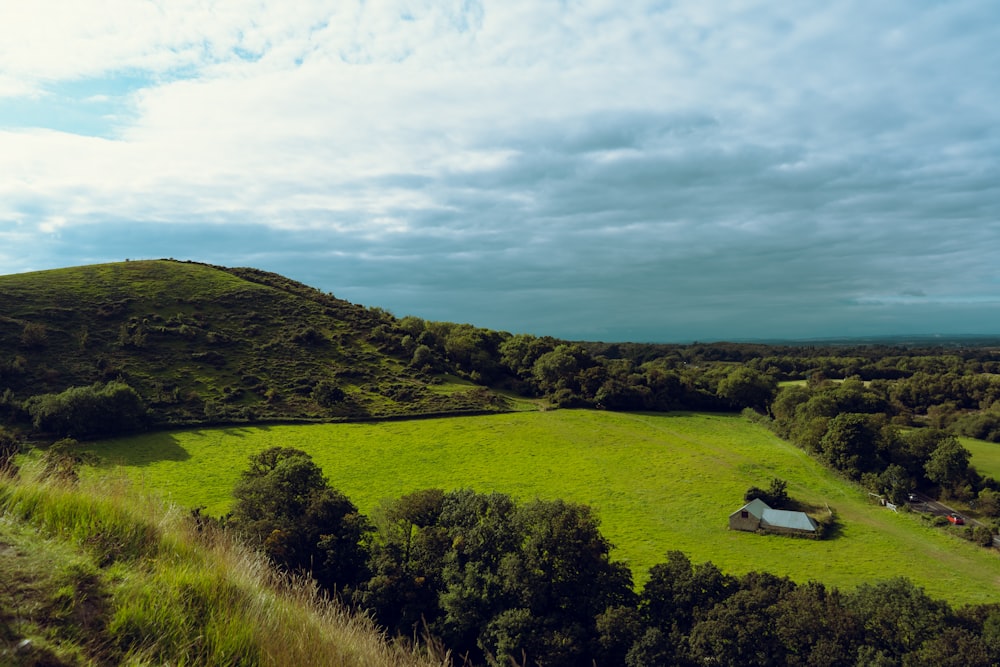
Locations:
{"points": [[406, 561], [850, 443], [816, 628], [285, 506], [555, 369], [989, 502], [422, 356], [897, 616], [559, 580], [741, 630], [481, 533], [678, 593], [948, 464], [747, 388], [327, 394]]}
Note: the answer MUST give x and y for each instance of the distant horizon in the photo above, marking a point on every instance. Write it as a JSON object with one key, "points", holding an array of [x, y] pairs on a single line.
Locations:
{"points": [[594, 170], [914, 338]]}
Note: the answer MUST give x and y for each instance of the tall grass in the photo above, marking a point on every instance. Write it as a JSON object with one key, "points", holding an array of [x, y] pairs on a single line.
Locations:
{"points": [[181, 594]]}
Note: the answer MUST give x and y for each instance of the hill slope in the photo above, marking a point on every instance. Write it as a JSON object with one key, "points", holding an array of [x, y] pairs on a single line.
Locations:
{"points": [[204, 343], [98, 575]]}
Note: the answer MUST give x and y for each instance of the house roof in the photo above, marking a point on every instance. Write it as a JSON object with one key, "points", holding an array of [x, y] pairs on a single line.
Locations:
{"points": [[757, 507], [779, 518], [786, 519]]}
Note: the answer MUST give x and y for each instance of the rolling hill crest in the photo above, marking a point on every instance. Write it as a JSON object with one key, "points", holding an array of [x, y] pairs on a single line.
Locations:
{"points": [[203, 343]]}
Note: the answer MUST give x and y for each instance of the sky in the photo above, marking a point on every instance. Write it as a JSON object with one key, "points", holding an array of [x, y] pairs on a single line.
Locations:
{"points": [[651, 170]]}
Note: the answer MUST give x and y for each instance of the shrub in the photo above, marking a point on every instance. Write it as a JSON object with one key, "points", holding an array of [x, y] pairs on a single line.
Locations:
{"points": [[34, 336], [96, 410], [775, 496], [285, 506], [326, 394]]}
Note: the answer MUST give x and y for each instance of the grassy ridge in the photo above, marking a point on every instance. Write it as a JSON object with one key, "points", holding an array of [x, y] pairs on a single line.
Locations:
{"points": [[659, 482], [203, 344], [99, 575]]}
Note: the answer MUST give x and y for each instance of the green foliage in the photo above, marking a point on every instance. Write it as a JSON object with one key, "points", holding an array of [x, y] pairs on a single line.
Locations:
{"points": [[81, 412], [747, 388], [678, 592], [981, 425], [989, 503], [948, 464], [206, 344], [177, 593], [327, 394], [34, 336], [897, 616], [556, 369], [850, 443], [285, 506], [776, 495], [494, 578]]}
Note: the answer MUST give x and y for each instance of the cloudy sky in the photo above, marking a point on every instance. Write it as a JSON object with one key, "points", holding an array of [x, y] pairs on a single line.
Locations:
{"points": [[590, 169]]}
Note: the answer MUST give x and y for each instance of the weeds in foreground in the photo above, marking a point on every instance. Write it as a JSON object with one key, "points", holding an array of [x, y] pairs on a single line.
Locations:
{"points": [[97, 574]]}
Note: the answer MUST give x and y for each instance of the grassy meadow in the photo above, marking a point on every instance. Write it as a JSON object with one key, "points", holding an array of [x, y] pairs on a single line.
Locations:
{"points": [[985, 456], [659, 482]]}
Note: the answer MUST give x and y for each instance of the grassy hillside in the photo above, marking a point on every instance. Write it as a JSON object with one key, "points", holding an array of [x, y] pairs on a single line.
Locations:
{"points": [[659, 482], [97, 575], [203, 343]]}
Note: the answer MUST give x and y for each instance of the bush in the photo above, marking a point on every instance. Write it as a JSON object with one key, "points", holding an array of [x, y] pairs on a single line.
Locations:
{"points": [[326, 394], [775, 496], [285, 506], [97, 410], [34, 336]]}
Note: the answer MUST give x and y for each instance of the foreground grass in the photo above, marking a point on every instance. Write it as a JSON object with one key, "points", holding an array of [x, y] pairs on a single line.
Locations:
{"points": [[99, 575], [659, 482]]}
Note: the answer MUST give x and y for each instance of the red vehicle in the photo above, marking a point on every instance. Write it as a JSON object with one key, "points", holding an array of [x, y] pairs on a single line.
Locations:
{"points": [[956, 519]]}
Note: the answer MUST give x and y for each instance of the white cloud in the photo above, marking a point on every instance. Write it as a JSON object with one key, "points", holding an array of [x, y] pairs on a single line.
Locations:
{"points": [[678, 153]]}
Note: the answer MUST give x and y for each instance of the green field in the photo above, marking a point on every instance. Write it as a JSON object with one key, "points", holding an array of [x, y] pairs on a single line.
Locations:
{"points": [[985, 456], [659, 482]]}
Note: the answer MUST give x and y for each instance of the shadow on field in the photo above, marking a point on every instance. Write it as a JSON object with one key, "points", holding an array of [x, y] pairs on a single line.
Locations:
{"points": [[827, 518], [141, 450]]}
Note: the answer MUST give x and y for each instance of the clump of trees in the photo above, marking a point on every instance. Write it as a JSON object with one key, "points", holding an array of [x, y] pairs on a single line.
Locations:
{"points": [[776, 495], [285, 506], [847, 425], [496, 581], [101, 409]]}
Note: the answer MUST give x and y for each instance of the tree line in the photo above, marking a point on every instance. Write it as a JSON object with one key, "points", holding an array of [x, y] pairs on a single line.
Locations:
{"points": [[495, 581]]}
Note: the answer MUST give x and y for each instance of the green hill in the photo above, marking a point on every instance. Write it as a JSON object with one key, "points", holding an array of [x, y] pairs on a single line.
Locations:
{"points": [[208, 344]]}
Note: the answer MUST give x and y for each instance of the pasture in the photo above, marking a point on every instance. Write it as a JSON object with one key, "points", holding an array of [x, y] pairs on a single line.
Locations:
{"points": [[985, 456], [659, 482]]}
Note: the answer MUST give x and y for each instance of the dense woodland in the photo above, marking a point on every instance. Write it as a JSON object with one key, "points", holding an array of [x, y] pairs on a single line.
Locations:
{"points": [[488, 577]]}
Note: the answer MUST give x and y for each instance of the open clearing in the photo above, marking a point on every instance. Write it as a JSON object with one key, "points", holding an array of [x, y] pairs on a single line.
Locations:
{"points": [[659, 482]]}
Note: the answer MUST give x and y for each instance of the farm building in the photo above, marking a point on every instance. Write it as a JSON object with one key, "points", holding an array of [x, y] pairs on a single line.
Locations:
{"points": [[757, 515]]}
